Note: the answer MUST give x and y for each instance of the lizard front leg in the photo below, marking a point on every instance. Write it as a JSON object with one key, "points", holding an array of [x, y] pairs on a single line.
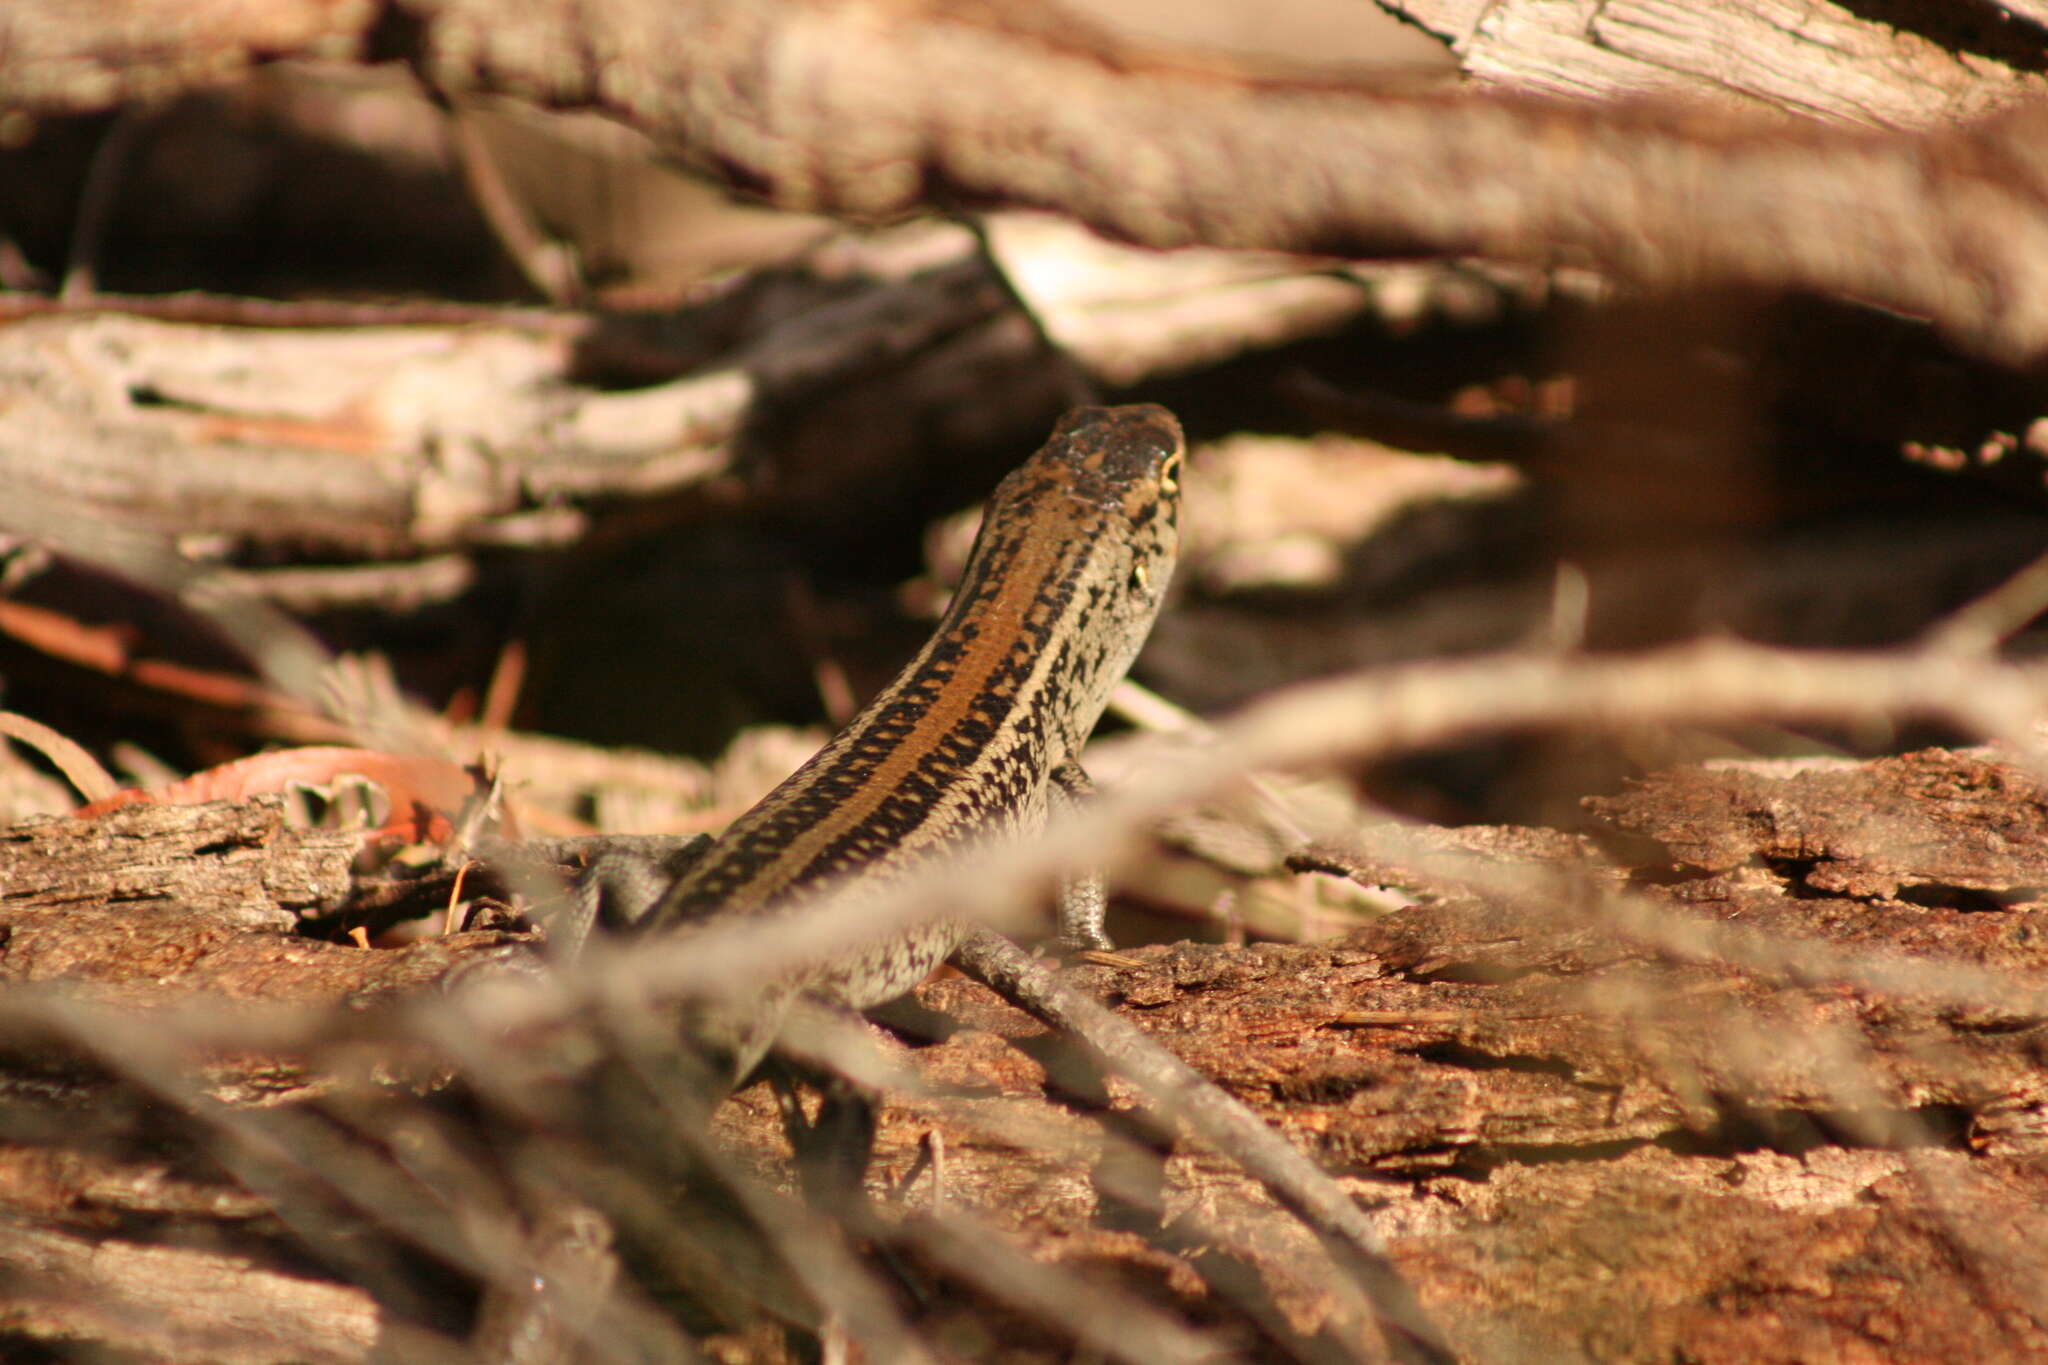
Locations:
{"points": [[1083, 898]]}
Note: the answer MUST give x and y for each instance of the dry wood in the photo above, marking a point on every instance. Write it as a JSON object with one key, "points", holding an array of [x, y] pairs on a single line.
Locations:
{"points": [[403, 439], [1919, 65], [1569, 1141], [177, 1302], [163, 904], [260, 873], [867, 112]]}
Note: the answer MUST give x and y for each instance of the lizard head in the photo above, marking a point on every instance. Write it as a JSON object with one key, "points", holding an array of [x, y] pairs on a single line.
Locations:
{"points": [[1130, 457], [1108, 483], [1075, 551]]}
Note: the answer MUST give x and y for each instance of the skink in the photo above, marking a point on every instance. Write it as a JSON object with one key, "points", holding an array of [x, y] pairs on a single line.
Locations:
{"points": [[980, 730], [969, 744]]}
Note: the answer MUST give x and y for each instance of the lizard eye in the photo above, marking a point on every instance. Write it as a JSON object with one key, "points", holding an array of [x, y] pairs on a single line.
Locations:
{"points": [[1169, 474], [1141, 578]]}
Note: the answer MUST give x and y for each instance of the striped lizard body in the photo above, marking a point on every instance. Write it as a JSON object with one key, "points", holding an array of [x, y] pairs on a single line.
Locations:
{"points": [[1058, 595]]}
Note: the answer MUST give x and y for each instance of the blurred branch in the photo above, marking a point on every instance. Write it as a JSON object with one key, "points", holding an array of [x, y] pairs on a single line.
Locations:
{"points": [[155, 1300], [80, 769], [870, 112]]}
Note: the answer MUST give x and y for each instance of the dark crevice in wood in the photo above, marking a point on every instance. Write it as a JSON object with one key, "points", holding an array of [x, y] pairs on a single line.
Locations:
{"points": [[1975, 900], [1795, 873], [1473, 1059], [1479, 1163], [1473, 972], [1795, 1132], [1977, 27]]}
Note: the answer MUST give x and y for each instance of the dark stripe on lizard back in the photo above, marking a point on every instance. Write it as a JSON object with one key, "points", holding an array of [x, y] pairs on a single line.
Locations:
{"points": [[1059, 591], [819, 789]]}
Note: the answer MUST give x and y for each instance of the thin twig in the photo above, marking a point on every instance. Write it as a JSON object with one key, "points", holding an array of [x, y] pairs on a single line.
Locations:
{"points": [[80, 768], [1983, 623]]}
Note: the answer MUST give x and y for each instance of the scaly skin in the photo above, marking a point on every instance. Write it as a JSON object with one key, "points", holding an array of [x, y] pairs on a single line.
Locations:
{"points": [[1061, 589]]}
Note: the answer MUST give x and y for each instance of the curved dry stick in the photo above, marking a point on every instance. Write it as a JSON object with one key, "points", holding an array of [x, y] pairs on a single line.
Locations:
{"points": [[67, 755]]}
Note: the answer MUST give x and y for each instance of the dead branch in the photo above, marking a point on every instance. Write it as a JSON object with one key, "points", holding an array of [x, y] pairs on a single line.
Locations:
{"points": [[148, 853], [852, 111], [160, 1300]]}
